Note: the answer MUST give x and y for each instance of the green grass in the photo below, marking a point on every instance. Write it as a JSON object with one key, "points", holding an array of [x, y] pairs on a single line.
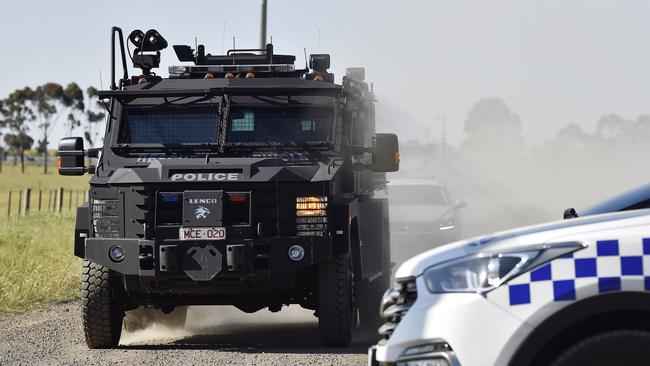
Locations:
{"points": [[37, 265], [12, 180]]}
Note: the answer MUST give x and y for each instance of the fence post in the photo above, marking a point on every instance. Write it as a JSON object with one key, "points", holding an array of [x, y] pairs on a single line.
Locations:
{"points": [[20, 201], [76, 199], [9, 205], [40, 196], [85, 196], [58, 200], [24, 208], [70, 201]]}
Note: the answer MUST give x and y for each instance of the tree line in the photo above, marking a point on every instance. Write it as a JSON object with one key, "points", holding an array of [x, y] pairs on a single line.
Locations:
{"points": [[28, 116]]}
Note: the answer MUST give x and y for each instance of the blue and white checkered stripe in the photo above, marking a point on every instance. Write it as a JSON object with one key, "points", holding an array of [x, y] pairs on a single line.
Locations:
{"points": [[607, 265]]}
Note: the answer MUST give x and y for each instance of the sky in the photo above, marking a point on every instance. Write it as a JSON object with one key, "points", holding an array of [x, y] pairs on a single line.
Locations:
{"points": [[552, 61]]}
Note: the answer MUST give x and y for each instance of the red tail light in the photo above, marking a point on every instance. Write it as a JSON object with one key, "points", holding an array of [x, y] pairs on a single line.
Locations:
{"points": [[237, 197]]}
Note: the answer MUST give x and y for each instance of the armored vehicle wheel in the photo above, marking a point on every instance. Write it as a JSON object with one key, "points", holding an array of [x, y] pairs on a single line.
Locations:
{"points": [[621, 348], [337, 314], [101, 311]]}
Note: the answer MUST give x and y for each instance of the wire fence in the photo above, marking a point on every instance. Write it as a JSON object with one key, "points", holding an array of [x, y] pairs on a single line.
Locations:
{"points": [[21, 203]]}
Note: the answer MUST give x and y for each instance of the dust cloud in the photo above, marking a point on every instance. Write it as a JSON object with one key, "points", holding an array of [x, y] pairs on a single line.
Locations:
{"points": [[508, 182], [150, 326]]}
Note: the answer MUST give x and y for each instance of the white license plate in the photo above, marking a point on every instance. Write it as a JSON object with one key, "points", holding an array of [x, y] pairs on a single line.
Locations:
{"points": [[202, 233]]}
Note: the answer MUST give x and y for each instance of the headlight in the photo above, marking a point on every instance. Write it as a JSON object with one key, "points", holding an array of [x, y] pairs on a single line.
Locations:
{"points": [[446, 225], [311, 216], [106, 218], [484, 272]]}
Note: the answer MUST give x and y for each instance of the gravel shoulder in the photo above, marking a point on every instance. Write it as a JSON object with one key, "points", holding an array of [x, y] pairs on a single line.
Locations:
{"points": [[217, 335]]}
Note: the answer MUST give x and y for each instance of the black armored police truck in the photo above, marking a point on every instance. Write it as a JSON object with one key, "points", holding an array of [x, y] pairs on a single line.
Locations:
{"points": [[238, 180]]}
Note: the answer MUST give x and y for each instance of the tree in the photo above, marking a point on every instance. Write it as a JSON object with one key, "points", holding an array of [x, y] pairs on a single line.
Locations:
{"points": [[16, 116], [49, 103], [493, 129], [94, 115], [18, 143]]}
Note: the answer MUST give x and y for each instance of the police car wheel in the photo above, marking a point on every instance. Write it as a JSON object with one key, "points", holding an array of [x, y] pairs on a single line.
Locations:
{"points": [[337, 314], [621, 348], [102, 315]]}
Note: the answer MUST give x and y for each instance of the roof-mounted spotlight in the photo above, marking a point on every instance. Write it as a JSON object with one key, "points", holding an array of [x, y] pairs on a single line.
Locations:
{"points": [[153, 41], [146, 54], [136, 37]]}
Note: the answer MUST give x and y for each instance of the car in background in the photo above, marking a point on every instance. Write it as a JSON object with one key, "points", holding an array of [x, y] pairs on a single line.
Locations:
{"points": [[423, 215], [635, 199], [570, 292]]}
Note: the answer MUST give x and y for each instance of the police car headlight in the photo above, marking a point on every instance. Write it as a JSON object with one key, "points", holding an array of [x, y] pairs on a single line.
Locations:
{"points": [[484, 272]]}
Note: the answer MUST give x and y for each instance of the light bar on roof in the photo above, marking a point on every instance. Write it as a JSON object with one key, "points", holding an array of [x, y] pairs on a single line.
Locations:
{"points": [[179, 71]]}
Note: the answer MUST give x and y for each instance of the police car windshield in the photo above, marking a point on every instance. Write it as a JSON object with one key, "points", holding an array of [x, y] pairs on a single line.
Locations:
{"points": [[166, 126], [417, 195], [283, 125]]}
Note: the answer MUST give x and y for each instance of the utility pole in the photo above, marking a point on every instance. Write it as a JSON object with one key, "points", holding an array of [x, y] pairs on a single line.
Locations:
{"points": [[263, 26], [443, 139]]}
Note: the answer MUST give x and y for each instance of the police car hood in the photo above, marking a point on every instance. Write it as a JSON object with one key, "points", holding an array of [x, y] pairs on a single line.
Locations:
{"points": [[221, 170], [514, 239]]}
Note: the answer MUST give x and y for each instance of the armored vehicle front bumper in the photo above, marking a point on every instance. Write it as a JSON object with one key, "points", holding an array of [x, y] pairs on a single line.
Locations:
{"points": [[264, 259]]}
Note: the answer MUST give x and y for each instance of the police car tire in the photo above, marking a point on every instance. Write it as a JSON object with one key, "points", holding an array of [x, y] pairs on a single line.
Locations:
{"points": [[621, 348], [336, 310], [102, 318]]}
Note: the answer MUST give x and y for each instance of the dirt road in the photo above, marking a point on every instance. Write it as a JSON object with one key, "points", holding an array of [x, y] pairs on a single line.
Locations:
{"points": [[217, 336]]}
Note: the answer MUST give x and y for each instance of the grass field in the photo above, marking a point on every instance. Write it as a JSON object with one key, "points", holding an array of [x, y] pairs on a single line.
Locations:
{"points": [[37, 264], [11, 179]]}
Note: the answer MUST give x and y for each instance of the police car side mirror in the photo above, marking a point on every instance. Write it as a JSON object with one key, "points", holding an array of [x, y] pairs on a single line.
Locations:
{"points": [[70, 156], [385, 153], [460, 204]]}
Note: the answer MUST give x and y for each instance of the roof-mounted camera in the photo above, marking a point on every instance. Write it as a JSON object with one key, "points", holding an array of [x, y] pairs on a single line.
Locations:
{"points": [[146, 55]]}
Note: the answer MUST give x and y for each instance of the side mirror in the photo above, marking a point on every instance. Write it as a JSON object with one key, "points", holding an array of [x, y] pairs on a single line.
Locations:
{"points": [[385, 153], [570, 213], [70, 156], [460, 204]]}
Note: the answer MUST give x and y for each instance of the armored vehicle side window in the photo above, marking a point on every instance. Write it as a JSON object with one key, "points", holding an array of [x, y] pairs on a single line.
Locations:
{"points": [[167, 126]]}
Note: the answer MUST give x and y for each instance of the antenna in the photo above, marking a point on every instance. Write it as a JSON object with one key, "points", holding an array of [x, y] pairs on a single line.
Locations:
{"points": [[263, 25], [196, 51], [233, 48], [101, 82], [306, 64]]}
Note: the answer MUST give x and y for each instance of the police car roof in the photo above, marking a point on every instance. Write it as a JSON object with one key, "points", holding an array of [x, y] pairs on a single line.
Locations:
{"points": [[423, 181]]}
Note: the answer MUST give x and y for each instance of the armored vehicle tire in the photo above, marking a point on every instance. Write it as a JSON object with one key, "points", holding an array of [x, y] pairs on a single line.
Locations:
{"points": [[369, 298], [621, 348], [337, 315], [101, 311]]}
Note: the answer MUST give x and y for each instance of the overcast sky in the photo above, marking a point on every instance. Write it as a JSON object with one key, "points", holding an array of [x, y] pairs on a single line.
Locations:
{"points": [[553, 62]]}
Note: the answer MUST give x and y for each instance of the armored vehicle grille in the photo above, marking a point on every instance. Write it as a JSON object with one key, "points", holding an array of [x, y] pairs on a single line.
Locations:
{"points": [[396, 303]]}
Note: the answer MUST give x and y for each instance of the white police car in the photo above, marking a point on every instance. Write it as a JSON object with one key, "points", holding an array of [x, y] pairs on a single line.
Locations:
{"points": [[572, 292]]}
